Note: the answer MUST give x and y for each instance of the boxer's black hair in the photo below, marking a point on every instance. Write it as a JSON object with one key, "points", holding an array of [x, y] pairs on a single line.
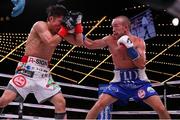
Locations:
{"points": [[57, 10]]}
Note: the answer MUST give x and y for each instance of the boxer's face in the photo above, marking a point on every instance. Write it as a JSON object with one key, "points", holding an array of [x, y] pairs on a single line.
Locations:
{"points": [[118, 27], [55, 23]]}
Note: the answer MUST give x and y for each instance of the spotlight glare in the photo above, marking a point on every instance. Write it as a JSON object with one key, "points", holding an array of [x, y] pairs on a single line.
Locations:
{"points": [[175, 21]]}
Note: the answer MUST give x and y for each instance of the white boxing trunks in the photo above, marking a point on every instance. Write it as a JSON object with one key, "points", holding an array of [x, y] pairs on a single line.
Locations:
{"points": [[32, 76]]}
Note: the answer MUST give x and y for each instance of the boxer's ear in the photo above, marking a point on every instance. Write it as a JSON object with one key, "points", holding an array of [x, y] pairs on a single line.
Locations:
{"points": [[50, 18]]}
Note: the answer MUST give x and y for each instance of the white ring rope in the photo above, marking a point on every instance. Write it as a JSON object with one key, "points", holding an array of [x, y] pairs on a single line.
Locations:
{"points": [[85, 111], [59, 83], [95, 99], [83, 98], [25, 117], [6, 75], [92, 88], [47, 107], [172, 112], [66, 95], [79, 97], [175, 112]]}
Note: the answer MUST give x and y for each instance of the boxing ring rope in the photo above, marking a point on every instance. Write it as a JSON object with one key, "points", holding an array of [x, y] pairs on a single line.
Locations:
{"points": [[51, 72], [67, 69], [94, 99], [75, 46], [171, 77], [93, 75], [64, 55], [12, 51], [105, 70], [162, 52], [163, 73], [94, 69], [62, 84], [176, 112], [146, 63], [173, 112]]}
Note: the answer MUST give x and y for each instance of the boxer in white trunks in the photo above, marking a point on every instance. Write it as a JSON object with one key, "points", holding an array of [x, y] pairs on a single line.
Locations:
{"points": [[32, 73]]}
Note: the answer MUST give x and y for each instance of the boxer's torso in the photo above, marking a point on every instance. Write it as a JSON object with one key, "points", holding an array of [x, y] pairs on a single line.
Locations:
{"points": [[119, 54], [35, 46]]}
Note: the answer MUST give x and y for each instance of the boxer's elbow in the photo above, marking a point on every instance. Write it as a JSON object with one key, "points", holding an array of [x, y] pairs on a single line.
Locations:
{"points": [[139, 63], [54, 41], [79, 43], [141, 66], [89, 45]]}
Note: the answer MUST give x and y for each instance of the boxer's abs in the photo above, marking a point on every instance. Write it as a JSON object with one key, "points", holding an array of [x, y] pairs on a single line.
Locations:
{"points": [[38, 49]]}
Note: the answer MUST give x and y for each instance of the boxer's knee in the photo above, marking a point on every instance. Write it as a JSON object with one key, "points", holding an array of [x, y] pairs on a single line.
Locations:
{"points": [[160, 109], [3, 102], [99, 105], [59, 103]]}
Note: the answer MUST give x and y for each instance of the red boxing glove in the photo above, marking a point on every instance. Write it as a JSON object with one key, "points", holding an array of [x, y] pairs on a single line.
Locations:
{"points": [[78, 28], [63, 32]]}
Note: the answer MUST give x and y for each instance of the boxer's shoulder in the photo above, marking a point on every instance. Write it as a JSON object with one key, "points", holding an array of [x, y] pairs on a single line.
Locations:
{"points": [[40, 25]]}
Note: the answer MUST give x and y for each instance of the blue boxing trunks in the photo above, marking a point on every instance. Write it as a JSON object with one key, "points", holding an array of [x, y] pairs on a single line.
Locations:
{"points": [[130, 83]]}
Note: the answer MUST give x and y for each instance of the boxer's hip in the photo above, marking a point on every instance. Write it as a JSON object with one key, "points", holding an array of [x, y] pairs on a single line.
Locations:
{"points": [[33, 67], [131, 78]]}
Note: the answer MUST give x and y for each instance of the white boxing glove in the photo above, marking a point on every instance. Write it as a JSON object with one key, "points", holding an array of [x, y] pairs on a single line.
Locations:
{"points": [[125, 40], [79, 19], [132, 52]]}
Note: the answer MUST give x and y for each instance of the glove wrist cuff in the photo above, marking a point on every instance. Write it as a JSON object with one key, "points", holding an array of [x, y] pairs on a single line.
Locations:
{"points": [[62, 32], [78, 28]]}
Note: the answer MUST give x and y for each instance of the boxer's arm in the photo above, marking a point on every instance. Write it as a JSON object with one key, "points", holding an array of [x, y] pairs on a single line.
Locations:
{"points": [[141, 61], [136, 53], [74, 39], [74, 35], [42, 29], [95, 44]]}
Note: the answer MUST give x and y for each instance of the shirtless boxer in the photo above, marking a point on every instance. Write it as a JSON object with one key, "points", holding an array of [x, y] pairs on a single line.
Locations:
{"points": [[130, 80], [32, 73]]}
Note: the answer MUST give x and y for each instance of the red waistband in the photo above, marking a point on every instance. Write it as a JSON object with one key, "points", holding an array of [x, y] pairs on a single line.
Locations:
{"points": [[24, 59]]}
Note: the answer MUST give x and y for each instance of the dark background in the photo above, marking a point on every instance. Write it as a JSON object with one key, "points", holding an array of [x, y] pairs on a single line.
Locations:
{"points": [[81, 61]]}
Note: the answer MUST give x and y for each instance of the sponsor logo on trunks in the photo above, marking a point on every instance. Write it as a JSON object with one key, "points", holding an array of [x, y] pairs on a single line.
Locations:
{"points": [[141, 93], [44, 75], [19, 81], [28, 67], [40, 69], [129, 75], [112, 88], [26, 73], [38, 61], [150, 90]]}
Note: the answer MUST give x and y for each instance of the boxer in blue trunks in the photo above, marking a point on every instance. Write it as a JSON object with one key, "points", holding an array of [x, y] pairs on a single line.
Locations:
{"points": [[130, 79]]}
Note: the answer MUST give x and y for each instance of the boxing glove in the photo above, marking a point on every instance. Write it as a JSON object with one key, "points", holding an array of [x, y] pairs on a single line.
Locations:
{"points": [[132, 52], [68, 22], [77, 16], [63, 31], [67, 25]]}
